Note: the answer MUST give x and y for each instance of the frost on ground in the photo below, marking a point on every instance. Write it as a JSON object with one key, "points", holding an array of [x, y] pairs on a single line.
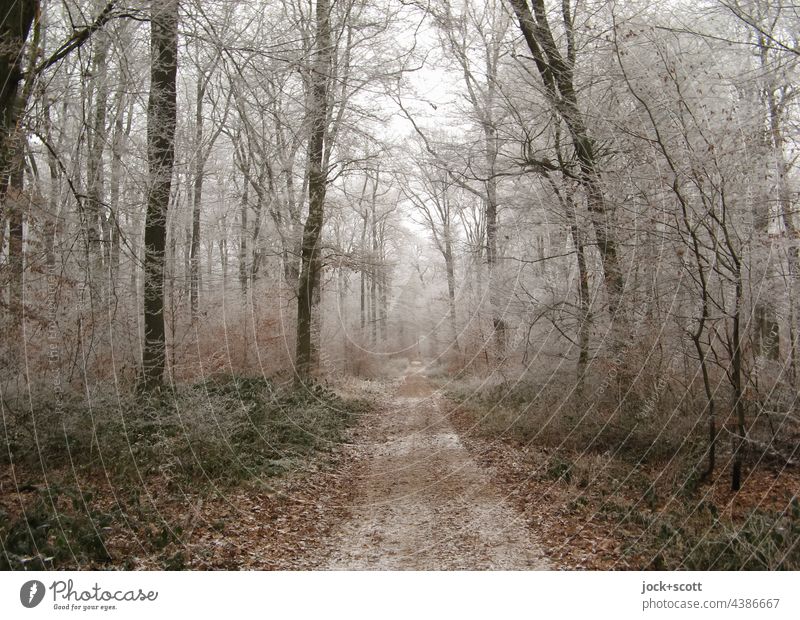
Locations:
{"points": [[421, 500]]}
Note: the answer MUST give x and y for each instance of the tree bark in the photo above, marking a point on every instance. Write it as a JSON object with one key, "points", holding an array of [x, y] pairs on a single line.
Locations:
{"points": [[18, 16], [161, 121], [584, 317], [373, 271], [736, 383], [557, 77], [223, 253], [121, 133], [498, 323], [244, 270], [317, 185], [96, 220], [363, 273], [451, 282], [383, 284], [197, 199], [14, 204], [15, 25]]}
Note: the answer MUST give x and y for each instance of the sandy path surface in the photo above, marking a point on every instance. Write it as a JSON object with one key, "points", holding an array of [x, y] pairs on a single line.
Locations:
{"points": [[422, 502]]}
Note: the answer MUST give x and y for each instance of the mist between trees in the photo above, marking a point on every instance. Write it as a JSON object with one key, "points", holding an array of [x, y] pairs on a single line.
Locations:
{"points": [[599, 195]]}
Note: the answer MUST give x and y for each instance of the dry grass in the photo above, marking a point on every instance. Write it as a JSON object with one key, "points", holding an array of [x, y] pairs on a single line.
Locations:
{"points": [[613, 489], [74, 477]]}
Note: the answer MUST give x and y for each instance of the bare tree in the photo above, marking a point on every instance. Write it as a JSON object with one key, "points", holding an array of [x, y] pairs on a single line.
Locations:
{"points": [[474, 35], [556, 71], [161, 121], [431, 194], [14, 29], [311, 265]]}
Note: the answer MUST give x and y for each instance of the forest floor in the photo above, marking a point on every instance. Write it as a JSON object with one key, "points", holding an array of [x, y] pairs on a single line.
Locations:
{"points": [[401, 491], [429, 490], [421, 501], [412, 484]]}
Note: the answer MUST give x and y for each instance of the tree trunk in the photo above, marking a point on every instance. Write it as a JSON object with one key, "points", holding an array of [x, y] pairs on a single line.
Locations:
{"points": [[736, 383], [491, 238], [223, 252], [766, 323], [117, 146], [584, 317], [96, 219], [317, 185], [373, 272], [384, 285], [161, 121], [244, 270], [14, 203], [556, 74], [18, 16], [775, 99], [197, 198], [363, 273], [451, 284], [52, 223], [257, 250], [498, 324]]}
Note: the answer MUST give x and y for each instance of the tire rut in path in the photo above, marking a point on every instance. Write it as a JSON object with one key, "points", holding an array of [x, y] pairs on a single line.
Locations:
{"points": [[423, 503]]}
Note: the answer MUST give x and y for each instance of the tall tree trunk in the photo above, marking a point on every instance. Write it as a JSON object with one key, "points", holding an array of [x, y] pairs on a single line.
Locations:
{"points": [[117, 146], [363, 273], [373, 272], [197, 198], [96, 219], [697, 336], [584, 317], [294, 243], [317, 185], [223, 253], [362, 248], [244, 269], [15, 24], [52, 224], [14, 204], [776, 99], [187, 269], [207, 282], [557, 78], [736, 383], [384, 285], [257, 253], [498, 323], [451, 283], [766, 321], [161, 121], [17, 18], [170, 274]]}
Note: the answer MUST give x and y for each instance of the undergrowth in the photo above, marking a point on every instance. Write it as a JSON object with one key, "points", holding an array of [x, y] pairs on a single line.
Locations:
{"points": [[766, 540], [210, 435], [555, 416], [638, 470]]}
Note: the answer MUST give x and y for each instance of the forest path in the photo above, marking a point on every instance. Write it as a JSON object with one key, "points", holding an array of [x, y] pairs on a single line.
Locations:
{"points": [[422, 502]]}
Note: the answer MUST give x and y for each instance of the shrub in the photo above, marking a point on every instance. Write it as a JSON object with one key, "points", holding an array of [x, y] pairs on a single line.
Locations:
{"points": [[222, 431], [50, 533]]}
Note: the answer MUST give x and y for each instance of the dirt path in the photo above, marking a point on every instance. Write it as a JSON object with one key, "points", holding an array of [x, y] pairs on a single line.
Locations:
{"points": [[422, 502]]}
